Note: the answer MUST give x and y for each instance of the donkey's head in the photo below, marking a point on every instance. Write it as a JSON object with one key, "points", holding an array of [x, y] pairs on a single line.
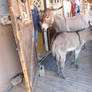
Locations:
{"points": [[48, 18]]}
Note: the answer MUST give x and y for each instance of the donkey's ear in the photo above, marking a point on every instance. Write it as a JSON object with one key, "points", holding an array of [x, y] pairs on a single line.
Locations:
{"points": [[41, 15], [57, 11], [42, 11], [60, 7], [57, 8]]}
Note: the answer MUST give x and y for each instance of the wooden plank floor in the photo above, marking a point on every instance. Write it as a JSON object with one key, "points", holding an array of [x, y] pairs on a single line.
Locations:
{"points": [[76, 80]]}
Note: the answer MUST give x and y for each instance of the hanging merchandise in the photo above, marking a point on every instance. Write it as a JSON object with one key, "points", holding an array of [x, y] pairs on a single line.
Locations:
{"points": [[78, 6], [67, 8], [24, 10], [36, 21], [39, 4], [73, 8]]}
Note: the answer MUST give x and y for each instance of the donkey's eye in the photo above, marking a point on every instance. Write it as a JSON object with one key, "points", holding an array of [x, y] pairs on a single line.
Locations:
{"points": [[47, 17]]}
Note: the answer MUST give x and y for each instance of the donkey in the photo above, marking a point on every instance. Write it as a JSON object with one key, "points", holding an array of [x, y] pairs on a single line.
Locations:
{"points": [[60, 24], [66, 42]]}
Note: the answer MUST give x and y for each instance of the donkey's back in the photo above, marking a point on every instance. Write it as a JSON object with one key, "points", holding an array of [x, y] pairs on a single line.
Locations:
{"points": [[65, 42], [75, 23]]}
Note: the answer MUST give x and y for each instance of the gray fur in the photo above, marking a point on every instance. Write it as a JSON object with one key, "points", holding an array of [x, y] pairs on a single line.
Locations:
{"points": [[67, 42], [62, 24]]}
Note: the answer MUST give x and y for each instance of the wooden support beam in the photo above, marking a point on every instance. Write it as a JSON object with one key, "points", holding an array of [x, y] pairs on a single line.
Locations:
{"points": [[24, 35]]}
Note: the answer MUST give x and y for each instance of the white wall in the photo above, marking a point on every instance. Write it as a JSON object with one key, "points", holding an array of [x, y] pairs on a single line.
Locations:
{"points": [[47, 3], [4, 7]]}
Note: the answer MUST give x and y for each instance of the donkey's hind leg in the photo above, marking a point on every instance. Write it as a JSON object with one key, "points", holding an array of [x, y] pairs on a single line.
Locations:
{"points": [[73, 60], [58, 67], [62, 64], [58, 62], [76, 57]]}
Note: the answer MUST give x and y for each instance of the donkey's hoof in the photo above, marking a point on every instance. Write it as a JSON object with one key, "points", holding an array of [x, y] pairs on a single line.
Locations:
{"points": [[61, 76], [72, 63], [77, 67]]}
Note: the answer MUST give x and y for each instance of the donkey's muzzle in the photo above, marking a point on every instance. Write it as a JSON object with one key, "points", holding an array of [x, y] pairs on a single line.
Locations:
{"points": [[44, 27]]}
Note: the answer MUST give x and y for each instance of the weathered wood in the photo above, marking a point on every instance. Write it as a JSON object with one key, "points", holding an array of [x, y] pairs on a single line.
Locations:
{"points": [[24, 36]]}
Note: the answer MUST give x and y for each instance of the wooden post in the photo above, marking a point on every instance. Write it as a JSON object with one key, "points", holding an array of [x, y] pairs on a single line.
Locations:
{"points": [[24, 35]]}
